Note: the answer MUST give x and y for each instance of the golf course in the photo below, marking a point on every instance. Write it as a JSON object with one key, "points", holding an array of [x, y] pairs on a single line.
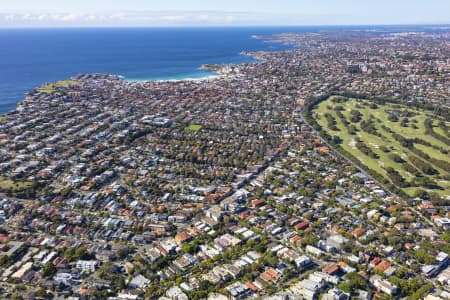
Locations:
{"points": [[403, 146]]}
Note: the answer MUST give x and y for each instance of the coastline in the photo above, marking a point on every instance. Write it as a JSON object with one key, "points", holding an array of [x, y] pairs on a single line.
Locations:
{"points": [[152, 65], [205, 72], [187, 77], [199, 79]]}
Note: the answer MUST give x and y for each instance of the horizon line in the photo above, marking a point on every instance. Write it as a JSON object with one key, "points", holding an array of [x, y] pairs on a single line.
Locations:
{"points": [[219, 26]]}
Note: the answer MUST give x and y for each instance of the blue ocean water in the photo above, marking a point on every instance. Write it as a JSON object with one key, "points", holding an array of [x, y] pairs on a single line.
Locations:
{"points": [[32, 57]]}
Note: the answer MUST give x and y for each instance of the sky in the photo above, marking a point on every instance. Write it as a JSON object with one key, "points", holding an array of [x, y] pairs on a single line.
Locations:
{"points": [[157, 13]]}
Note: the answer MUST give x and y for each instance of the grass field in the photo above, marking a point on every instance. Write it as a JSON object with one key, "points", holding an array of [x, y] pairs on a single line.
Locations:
{"points": [[383, 145], [8, 184], [51, 87], [194, 127], [439, 130]]}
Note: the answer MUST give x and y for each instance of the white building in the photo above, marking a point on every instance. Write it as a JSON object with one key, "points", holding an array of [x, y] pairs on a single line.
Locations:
{"points": [[87, 265], [139, 282], [175, 293]]}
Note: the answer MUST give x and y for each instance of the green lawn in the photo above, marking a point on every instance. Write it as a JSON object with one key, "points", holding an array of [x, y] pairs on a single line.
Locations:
{"points": [[66, 83], [8, 184], [51, 87], [380, 117], [194, 127], [439, 130], [48, 89]]}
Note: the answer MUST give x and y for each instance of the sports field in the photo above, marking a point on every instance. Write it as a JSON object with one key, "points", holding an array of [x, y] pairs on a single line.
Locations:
{"points": [[194, 127]]}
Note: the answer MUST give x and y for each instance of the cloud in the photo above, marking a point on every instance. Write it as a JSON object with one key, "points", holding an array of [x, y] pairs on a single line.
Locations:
{"points": [[186, 18], [9, 18], [162, 18]]}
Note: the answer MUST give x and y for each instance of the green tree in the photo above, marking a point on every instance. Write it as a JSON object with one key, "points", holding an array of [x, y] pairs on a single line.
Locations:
{"points": [[423, 257], [344, 286], [48, 270], [356, 281]]}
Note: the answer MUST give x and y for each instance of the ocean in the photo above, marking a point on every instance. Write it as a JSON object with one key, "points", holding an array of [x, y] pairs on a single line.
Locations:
{"points": [[32, 57]]}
